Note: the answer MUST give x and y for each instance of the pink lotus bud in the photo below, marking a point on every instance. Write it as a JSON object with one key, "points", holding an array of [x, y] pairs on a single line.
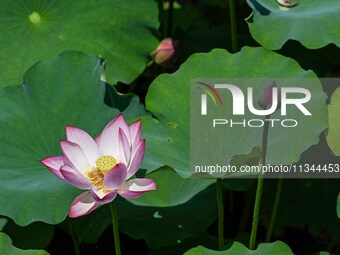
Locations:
{"points": [[266, 96], [165, 54]]}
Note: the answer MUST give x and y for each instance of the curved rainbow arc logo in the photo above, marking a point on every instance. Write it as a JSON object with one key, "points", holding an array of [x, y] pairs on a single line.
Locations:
{"points": [[211, 92]]}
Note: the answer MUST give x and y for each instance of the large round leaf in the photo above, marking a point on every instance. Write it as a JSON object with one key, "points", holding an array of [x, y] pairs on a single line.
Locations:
{"points": [[6, 248], [166, 195], [168, 99], [278, 248], [333, 136], [120, 31], [272, 25], [64, 90]]}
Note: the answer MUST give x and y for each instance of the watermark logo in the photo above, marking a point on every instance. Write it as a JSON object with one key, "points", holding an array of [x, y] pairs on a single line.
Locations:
{"points": [[279, 98], [228, 117], [238, 98], [212, 92]]}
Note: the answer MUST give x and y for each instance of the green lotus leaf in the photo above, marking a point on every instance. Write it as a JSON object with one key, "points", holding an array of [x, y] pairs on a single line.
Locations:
{"points": [[166, 195], [119, 31], [277, 247], [6, 248], [333, 136], [64, 90], [168, 99], [272, 25]]}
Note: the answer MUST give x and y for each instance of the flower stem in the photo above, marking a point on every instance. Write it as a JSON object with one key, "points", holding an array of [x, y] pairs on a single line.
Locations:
{"points": [[75, 239], [220, 208], [275, 207], [256, 213], [258, 196], [115, 228], [233, 25], [170, 18]]}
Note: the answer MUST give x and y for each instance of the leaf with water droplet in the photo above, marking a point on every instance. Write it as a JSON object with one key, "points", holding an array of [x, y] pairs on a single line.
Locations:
{"points": [[287, 3], [271, 26]]}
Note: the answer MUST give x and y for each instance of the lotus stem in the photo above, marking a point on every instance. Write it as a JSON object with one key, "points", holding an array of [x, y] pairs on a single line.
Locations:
{"points": [[115, 228], [220, 208], [256, 213]]}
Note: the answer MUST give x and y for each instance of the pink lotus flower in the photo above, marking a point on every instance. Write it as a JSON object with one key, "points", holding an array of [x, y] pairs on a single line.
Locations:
{"points": [[103, 166]]}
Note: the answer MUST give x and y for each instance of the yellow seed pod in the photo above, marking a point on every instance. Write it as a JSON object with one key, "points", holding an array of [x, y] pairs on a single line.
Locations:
{"points": [[106, 163]]}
